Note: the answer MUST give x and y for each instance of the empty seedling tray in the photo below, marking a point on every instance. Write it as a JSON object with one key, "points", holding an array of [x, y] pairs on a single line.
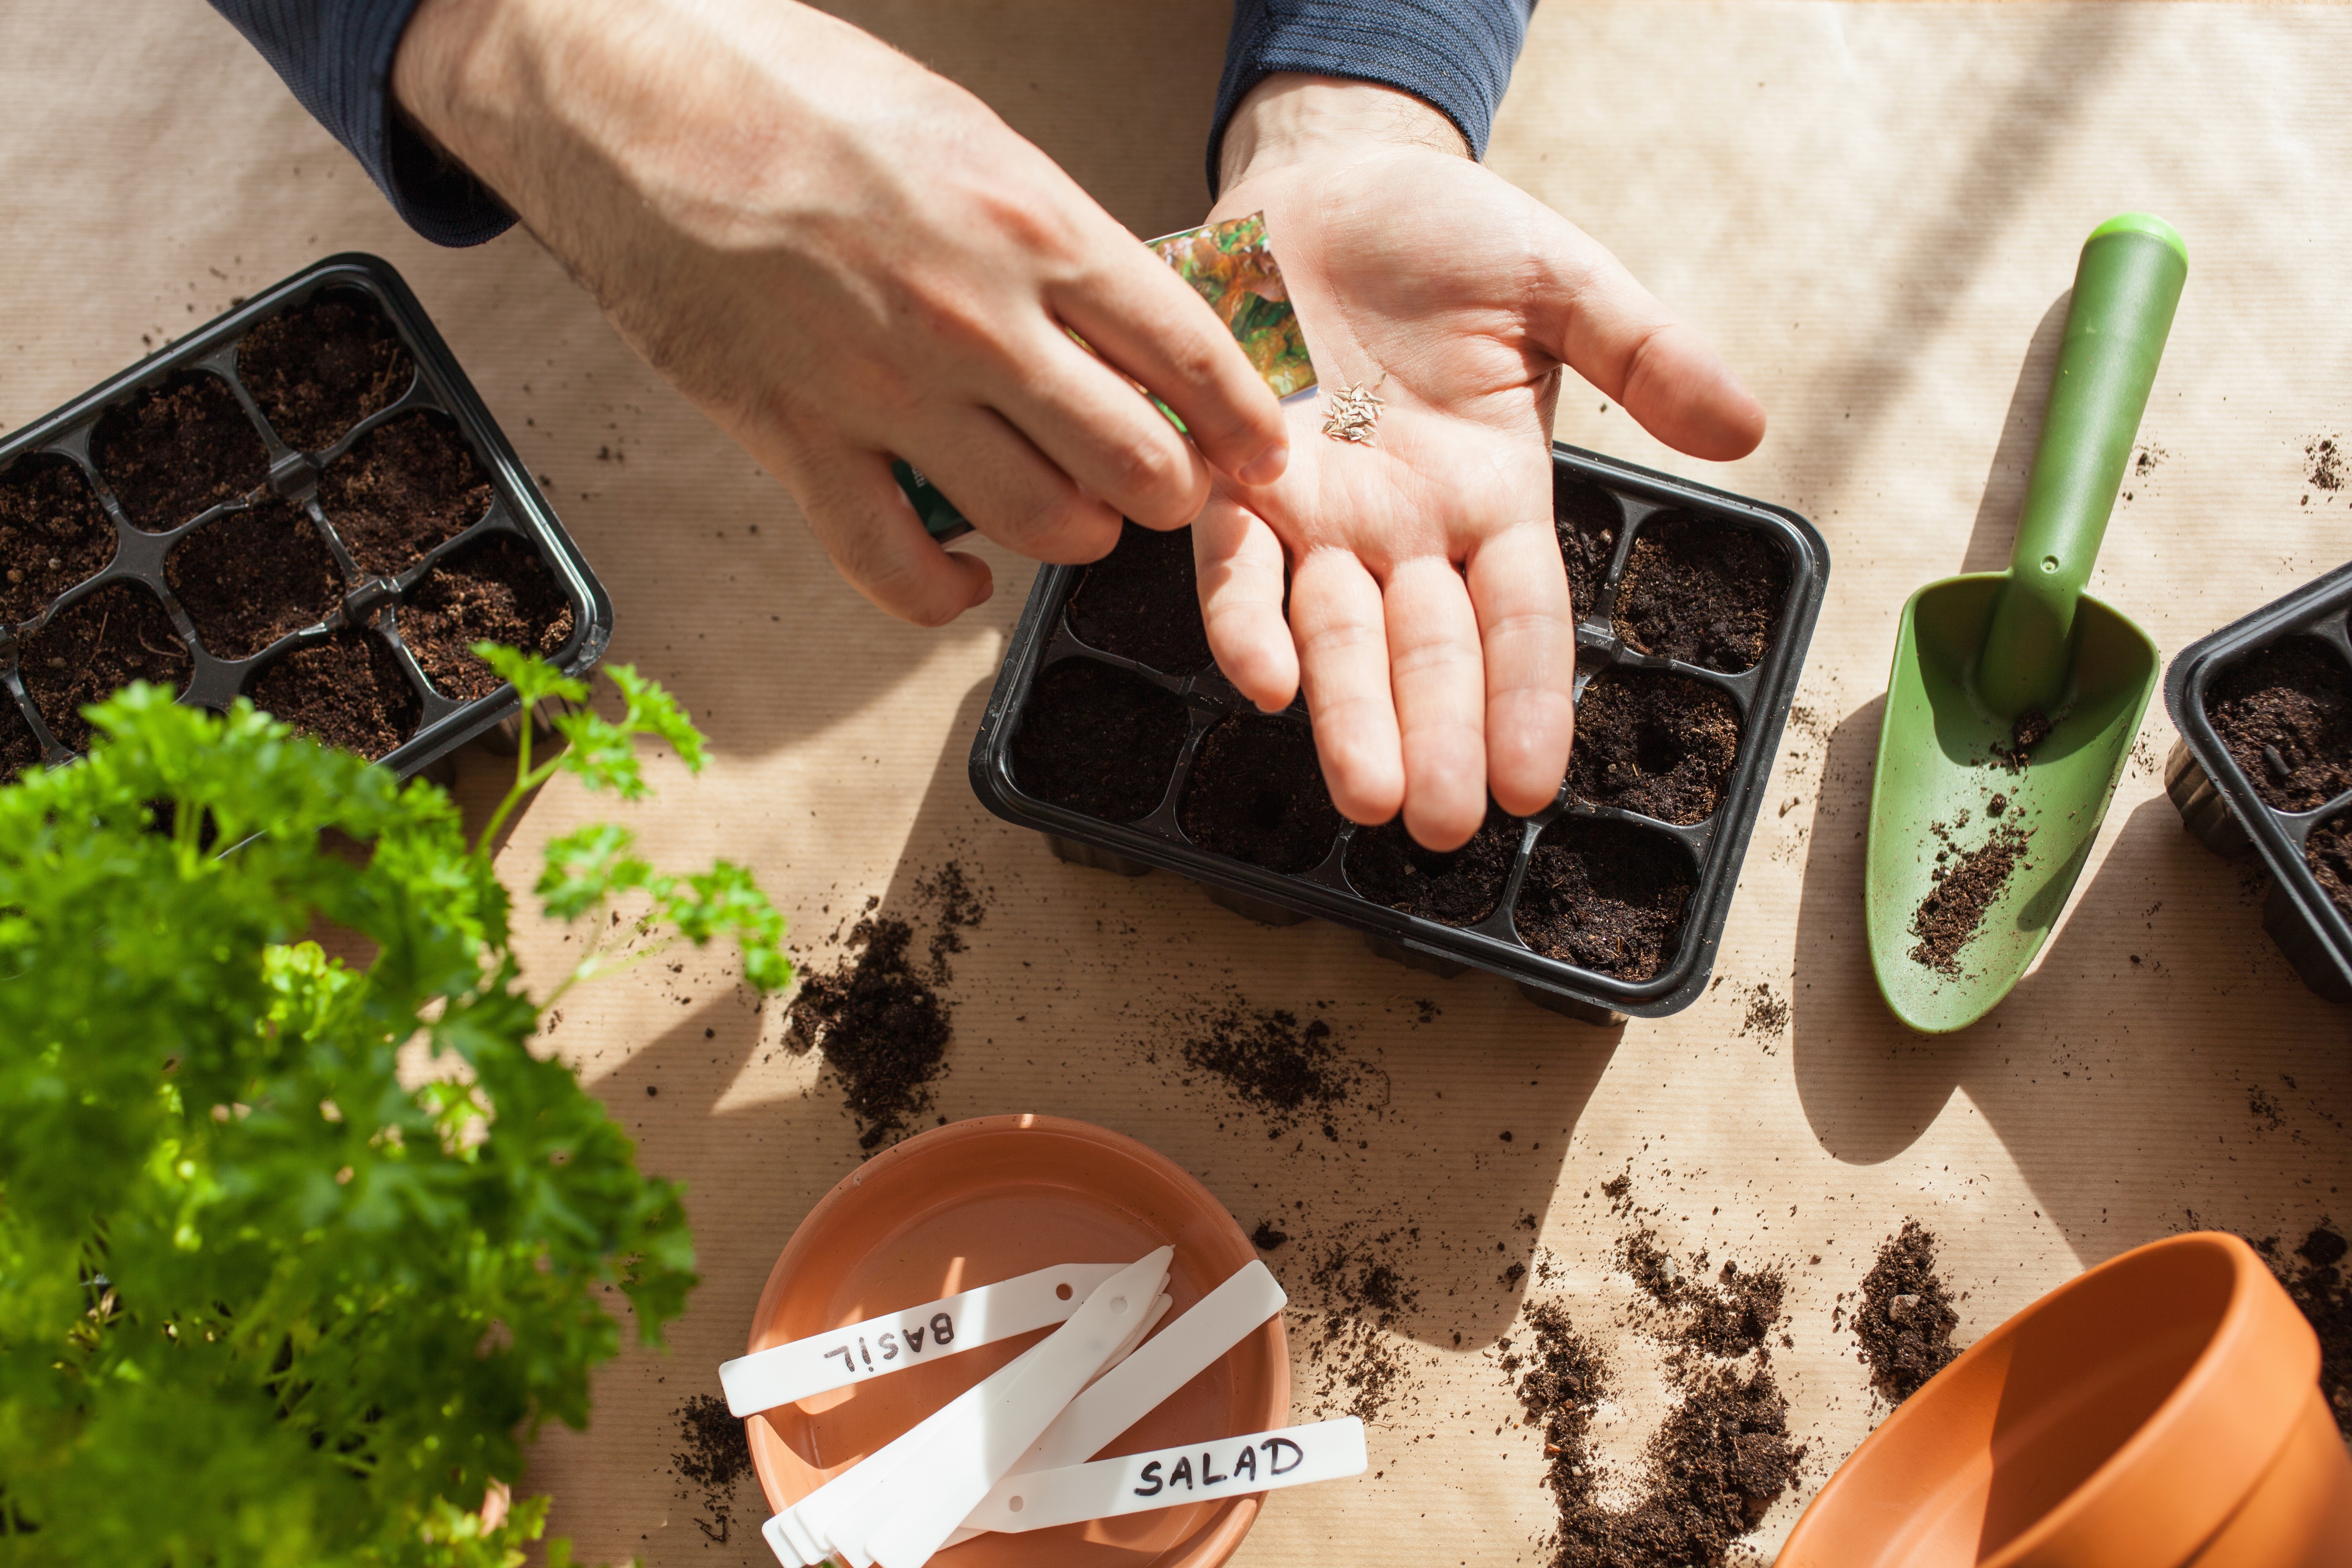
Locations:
{"points": [[303, 502], [2264, 760], [1111, 732]]}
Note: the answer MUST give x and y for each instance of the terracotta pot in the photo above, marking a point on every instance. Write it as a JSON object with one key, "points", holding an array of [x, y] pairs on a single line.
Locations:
{"points": [[984, 1200], [2163, 1409]]}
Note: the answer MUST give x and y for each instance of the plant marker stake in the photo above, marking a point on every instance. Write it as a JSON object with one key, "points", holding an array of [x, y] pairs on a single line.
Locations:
{"points": [[798, 1534], [1125, 1395], [1164, 1477], [956, 1466], [916, 1336]]}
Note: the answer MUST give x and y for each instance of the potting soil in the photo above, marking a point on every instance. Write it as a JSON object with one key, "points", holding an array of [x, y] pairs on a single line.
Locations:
{"points": [[2328, 853], [1456, 886], [1659, 744], [1285, 1070], [1605, 896], [322, 367], [501, 591], [177, 448], [1702, 592], [53, 533], [2285, 714], [717, 1456], [1143, 602], [1099, 740], [95, 646], [347, 690], [1905, 1316], [250, 578], [2313, 1274], [404, 487], [1587, 518], [1256, 793], [1968, 882]]}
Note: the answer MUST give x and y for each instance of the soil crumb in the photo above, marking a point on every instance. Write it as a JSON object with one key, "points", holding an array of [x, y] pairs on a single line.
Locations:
{"points": [[1454, 887], [717, 1455], [1907, 1318], [879, 1018], [1266, 1238], [1143, 602], [1357, 1363], [2285, 714], [1280, 1067], [1968, 883], [2314, 1275]]}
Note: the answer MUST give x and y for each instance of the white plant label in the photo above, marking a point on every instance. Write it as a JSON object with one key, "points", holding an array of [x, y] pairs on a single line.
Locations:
{"points": [[1195, 1472]]}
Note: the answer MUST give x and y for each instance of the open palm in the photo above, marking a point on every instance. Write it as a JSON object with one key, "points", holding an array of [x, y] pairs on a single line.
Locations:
{"points": [[1428, 613]]}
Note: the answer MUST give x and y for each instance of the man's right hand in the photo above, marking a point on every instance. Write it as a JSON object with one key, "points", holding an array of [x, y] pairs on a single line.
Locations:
{"points": [[843, 257]]}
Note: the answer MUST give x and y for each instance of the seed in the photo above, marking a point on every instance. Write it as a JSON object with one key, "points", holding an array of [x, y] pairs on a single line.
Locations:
{"points": [[2275, 764], [55, 564]]}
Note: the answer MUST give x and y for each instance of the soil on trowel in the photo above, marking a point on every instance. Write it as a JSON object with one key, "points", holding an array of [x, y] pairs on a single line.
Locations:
{"points": [[347, 690], [1659, 744], [1967, 884], [1143, 602], [1453, 886], [1703, 593], [20, 749], [1285, 1070], [177, 448], [1605, 896], [53, 533], [2328, 853], [248, 578], [2285, 714], [498, 592], [2314, 1275], [92, 649], [1907, 1315], [404, 487], [321, 367], [717, 1455], [1256, 793], [1587, 520], [1099, 740]]}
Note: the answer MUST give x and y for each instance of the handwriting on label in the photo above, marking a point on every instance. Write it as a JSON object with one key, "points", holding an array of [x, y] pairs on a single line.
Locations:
{"points": [[1282, 1456], [864, 1358]]}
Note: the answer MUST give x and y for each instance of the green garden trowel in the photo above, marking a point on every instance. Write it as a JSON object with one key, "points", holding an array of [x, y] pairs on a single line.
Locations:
{"points": [[2015, 696]]}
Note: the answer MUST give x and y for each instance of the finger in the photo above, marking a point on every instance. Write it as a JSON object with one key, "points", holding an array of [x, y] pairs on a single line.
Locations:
{"points": [[861, 517], [1591, 313], [1436, 672], [1085, 417], [1144, 320], [1526, 628], [1010, 491], [1239, 563], [1343, 659]]}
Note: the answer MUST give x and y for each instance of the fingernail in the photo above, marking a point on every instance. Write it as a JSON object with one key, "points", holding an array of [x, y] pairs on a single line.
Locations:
{"points": [[1266, 467]]}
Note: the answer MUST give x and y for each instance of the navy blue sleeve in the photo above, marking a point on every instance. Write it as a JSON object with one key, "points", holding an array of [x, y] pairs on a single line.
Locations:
{"points": [[1455, 54], [337, 56]]}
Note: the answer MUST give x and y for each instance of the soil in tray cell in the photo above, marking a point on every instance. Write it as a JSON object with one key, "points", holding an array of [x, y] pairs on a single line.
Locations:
{"points": [[348, 692], [18, 749], [1256, 793], [1454, 887], [1703, 593], [1653, 743], [247, 578], [502, 592], [1099, 740], [321, 367], [94, 647], [2328, 853], [1587, 520], [174, 449], [1143, 602], [53, 533], [404, 487], [2286, 713], [1605, 896]]}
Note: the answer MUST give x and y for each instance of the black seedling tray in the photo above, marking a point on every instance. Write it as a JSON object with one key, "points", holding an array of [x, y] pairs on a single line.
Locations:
{"points": [[2219, 803], [516, 511], [1715, 847]]}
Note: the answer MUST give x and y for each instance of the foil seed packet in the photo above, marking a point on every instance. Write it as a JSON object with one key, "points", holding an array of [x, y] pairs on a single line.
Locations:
{"points": [[1229, 265]]}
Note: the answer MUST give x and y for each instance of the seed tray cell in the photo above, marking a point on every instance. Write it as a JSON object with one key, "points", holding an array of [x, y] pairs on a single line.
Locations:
{"points": [[2264, 762], [1106, 735], [264, 509]]}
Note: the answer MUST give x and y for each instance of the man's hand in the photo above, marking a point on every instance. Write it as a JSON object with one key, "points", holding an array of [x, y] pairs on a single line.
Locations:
{"points": [[843, 257], [1429, 611]]}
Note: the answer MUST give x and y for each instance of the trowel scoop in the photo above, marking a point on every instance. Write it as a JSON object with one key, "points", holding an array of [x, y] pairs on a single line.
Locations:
{"points": [[2014, 696]]}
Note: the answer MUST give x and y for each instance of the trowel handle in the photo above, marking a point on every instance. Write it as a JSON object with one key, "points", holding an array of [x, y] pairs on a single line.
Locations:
{"points": [[2126, 287]]}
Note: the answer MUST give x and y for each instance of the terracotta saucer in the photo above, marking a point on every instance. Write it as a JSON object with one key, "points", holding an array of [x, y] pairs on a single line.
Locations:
{"points": [[983, 1200]]}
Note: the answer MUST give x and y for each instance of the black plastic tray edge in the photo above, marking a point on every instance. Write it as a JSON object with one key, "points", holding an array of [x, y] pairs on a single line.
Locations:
{"points": [[1776, 692], [2302, 921], [455, 393]]}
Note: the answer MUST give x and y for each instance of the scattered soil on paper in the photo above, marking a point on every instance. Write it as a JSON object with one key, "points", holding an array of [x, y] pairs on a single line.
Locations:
{"points": [[1587, 520], [1256, 793], [347, 690], [1143, 602], [499, 591], [1968, 883], [2328, 853], [250, 578], [1605, 896], [1725, 1318], [404, 487], [1453, 886], [1266, 1238], [177, 448], [1099, 740], [53, 533], [321, 367], [717, 1455], [1703, 593], [94, 647], [1767, 1013], [1907, 1315], [1659, 744], [1358, 1367], [2285, 714], [2314, 1275], [2326, 459], [1284, 1070]]}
